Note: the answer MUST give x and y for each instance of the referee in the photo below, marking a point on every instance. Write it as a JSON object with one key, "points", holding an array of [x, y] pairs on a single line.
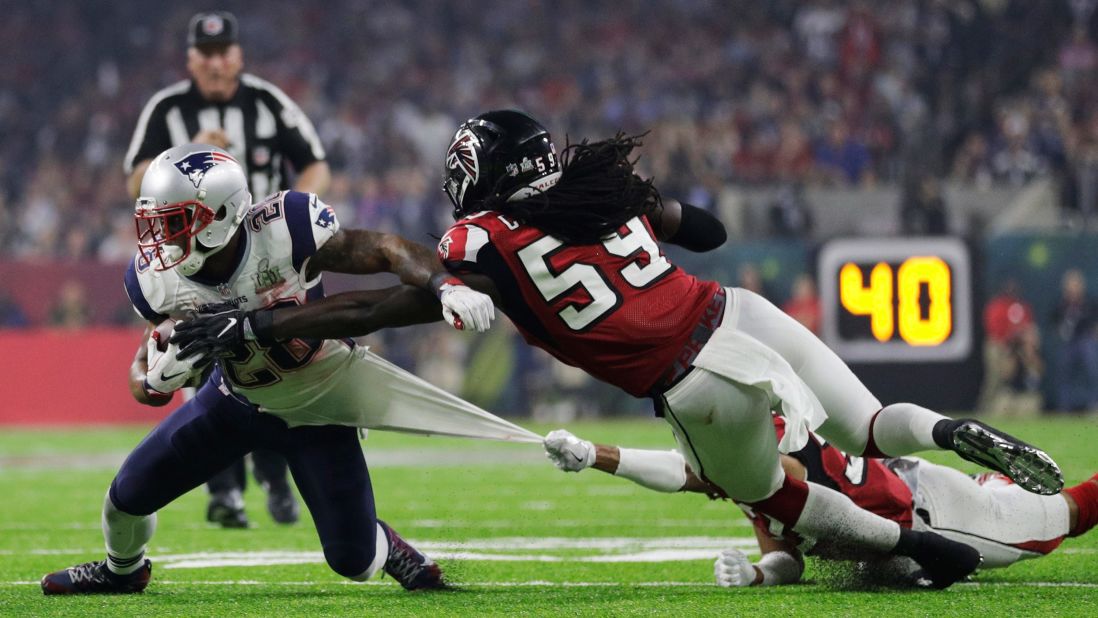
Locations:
{"points": [[268, 134]]}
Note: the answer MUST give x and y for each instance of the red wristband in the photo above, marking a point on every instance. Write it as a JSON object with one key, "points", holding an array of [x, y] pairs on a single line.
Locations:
{"points": [[443, 279]]}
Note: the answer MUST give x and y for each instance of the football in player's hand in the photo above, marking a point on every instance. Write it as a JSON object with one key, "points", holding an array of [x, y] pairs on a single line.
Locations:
{"points": [[162, 333]]}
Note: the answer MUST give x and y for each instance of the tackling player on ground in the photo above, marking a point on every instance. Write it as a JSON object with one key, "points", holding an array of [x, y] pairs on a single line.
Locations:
{"points": [[201, 240], [988, 511]]}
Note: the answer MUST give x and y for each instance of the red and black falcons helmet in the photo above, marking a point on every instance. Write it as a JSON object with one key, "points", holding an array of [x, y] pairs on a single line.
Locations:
{"points": [[498, 155]]}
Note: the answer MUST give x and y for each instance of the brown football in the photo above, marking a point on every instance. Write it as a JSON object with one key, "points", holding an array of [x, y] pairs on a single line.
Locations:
{"points": [[162, 333]]}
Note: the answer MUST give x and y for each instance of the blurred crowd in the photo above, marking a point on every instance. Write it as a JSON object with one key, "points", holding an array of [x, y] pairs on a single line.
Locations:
{"points": [[793, 93], [1015, 364], [733, 92]]}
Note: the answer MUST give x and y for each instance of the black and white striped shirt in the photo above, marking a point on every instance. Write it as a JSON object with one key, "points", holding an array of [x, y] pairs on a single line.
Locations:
{"points": [[266, 130]]}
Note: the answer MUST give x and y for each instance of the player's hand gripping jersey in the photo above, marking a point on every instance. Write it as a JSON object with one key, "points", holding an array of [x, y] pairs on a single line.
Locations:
{"points": [[281, 233], [617, 309]]}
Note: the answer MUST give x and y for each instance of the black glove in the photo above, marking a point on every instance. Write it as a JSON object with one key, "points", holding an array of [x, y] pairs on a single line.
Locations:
{"points": [[220, 330]]}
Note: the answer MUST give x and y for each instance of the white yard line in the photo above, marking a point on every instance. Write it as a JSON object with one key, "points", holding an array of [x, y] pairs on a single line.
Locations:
{"points": [[550, 584], [509, 549]]}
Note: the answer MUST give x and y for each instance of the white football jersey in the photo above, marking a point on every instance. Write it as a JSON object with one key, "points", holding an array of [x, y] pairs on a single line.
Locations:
{"points": [[280, 234]]}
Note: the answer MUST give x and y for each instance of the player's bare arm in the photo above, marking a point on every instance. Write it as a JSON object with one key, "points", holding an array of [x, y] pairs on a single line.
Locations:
{"points": [[350, 314], [315, 178], [220, 330], [367, 252]]}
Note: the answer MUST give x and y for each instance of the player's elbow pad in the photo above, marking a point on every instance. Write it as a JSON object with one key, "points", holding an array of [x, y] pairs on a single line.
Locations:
{"points": [[698, 230]]}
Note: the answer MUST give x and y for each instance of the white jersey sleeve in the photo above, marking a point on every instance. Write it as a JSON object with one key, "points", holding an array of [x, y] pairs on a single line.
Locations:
{"points": [[311, 224]]}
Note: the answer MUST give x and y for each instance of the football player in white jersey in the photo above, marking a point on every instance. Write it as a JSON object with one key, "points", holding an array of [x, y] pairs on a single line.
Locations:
{"points": [[987, 511], [201, 241]]}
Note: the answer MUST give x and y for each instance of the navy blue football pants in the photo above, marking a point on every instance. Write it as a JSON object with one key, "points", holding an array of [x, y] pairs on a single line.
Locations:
{"points": [[213, 429]]}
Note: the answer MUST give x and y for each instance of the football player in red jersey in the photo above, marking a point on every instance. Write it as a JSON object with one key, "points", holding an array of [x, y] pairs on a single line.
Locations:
{"points": [[987, 511], [566, 244]]}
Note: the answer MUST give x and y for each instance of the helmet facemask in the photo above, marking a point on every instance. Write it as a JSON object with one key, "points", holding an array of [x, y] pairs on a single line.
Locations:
{"points": [[168, 233]]}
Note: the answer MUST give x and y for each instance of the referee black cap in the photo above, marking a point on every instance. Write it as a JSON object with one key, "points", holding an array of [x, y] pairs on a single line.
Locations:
{"points": [[213, 28]]}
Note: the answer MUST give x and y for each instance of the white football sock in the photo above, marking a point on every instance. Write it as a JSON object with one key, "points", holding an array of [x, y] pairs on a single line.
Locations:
{"points": [[905, 428], [381, 554], [829, 515], [126, 536]]}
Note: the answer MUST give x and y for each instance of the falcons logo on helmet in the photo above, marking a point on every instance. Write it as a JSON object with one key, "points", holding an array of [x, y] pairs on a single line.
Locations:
{"points": [[194, 166], [463, 154]]}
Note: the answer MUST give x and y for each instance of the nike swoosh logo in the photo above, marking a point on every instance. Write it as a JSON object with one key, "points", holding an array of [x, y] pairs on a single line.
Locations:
{"points": [[575, 456], [164, 378], [228, 327]]}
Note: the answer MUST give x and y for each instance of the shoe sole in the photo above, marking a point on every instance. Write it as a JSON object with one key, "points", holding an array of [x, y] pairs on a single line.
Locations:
{"points": [[1029, 468]]}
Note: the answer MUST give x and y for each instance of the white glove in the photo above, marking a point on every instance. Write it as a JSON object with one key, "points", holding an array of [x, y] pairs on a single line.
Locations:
{"points": [[465, 308], [166, 373], [568, 452], [733, 569]]}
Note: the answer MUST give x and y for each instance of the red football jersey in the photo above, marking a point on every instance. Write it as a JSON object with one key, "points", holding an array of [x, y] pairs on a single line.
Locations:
{"points": [[865, 480], [617, 309]]}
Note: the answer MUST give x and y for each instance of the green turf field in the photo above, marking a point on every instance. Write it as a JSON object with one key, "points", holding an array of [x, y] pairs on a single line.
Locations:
{"points": [[514, 535]]}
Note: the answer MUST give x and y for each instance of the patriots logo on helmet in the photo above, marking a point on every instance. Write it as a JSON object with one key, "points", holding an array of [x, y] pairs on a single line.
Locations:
{"points": [[195, 166], [463, 154]]}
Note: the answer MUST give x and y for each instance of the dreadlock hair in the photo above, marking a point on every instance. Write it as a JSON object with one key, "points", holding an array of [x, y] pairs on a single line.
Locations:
{"points": [[597, 193]]}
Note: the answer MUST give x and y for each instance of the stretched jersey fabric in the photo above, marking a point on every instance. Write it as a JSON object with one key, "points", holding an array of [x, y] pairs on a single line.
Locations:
{"points": [[280, 235], [617, 309], [308, 381]]}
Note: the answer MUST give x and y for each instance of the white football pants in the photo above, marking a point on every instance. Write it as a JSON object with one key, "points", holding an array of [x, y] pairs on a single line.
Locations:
{"points": [[1005, 522]]}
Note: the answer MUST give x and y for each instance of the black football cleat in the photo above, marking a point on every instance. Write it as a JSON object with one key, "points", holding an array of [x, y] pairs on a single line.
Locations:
{"points": [[96, 578], [942, 562], [281, 504], [226, 508], [408, 566], [1028, 466]]}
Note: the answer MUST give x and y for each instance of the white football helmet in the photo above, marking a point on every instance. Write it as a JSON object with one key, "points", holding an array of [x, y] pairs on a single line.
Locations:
{"points": [[193, 198]]}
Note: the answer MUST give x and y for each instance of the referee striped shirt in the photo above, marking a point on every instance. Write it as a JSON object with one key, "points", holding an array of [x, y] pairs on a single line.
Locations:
{"points": [[267, 131]]}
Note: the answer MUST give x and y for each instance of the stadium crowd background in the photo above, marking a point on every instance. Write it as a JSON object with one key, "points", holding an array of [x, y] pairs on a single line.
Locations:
{"points": [[789, 94]]}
